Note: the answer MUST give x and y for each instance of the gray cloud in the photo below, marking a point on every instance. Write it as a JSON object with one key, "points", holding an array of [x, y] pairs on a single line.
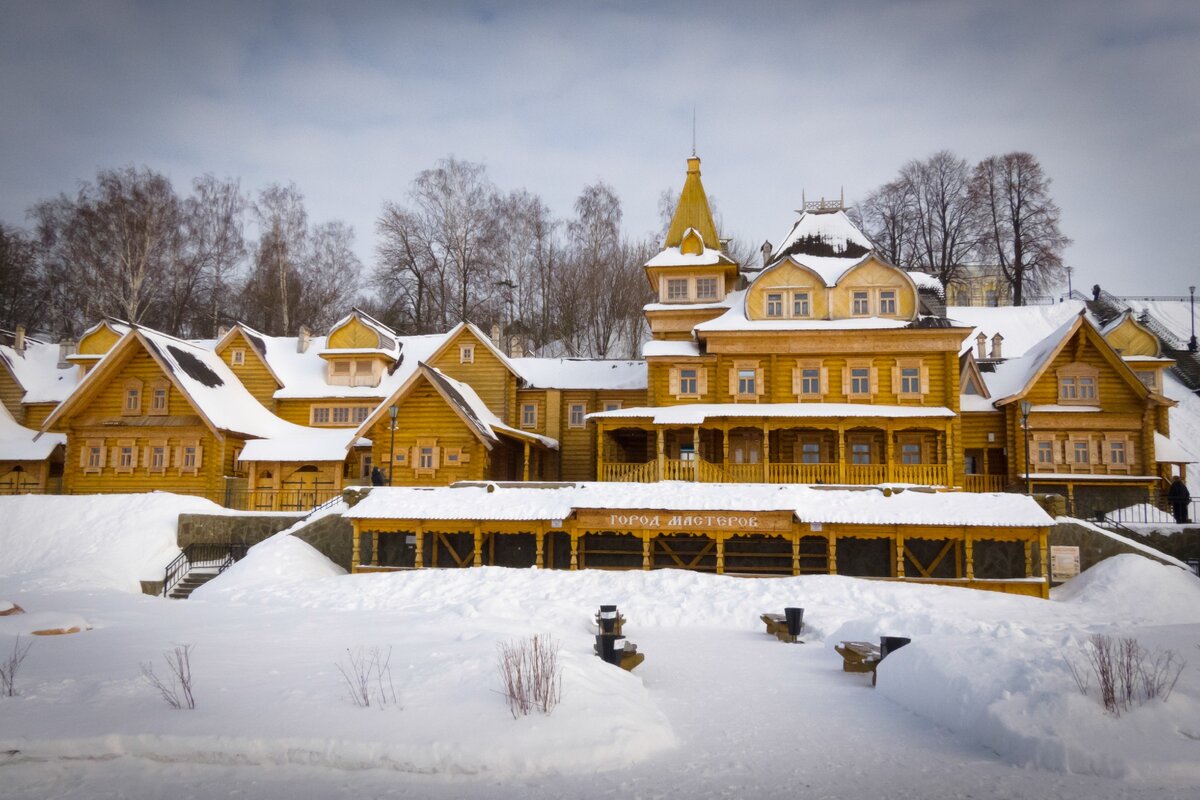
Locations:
{"points": [[351, 100]]}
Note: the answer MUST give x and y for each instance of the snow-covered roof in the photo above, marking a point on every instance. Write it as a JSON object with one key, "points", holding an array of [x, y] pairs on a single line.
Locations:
{"points": [[834, 230], [675, 349], [581, 373], [829, 268], [389, 343], [37, 370], [858, 506], [1166, 451], [476, 412], [17, 442], [1021, 326], [675, 257], [924, 280], [1012, 376], [697, 413]]}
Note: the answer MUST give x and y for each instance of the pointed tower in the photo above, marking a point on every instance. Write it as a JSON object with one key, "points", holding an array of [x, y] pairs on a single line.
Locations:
{"points": [[690, 276]]}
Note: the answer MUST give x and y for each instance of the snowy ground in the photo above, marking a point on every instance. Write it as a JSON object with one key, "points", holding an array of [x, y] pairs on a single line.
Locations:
{"points": [[980, 705]]}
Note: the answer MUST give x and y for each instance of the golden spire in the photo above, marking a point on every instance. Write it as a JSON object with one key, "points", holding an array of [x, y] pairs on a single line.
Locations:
{"points": [[692, 211]]}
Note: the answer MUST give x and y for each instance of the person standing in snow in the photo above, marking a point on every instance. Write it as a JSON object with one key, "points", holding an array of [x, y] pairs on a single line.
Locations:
{"points": [[376, 476], [1179, 498]]}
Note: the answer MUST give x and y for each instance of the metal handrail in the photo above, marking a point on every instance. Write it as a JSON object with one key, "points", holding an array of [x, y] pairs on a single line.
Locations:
{"points": [[221, 555]]}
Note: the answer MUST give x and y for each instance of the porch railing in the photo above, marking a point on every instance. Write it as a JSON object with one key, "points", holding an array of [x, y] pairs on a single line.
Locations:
{"points": [[865, 474], [985, 483], [279, 500], [923, 474], [803, 473], [631, 473]]}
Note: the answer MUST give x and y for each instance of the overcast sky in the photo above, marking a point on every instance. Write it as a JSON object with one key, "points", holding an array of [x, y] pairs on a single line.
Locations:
{"points": [[351, 100]]}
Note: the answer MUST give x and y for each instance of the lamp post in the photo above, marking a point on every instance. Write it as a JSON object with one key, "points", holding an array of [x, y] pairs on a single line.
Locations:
{"points": [[392, 412], [1192, 301], [1026, 407]]}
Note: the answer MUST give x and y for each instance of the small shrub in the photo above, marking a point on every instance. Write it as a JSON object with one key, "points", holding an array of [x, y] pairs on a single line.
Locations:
{"points": [[530, 674], [176, 687], [11, 665], [368, 677], [1126, 674]]}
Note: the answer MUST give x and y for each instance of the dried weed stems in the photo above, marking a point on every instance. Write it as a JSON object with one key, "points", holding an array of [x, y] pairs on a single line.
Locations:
{"points": [[1127, 675], [530, 674], [10, 666], [176, 687], [367, 675]]}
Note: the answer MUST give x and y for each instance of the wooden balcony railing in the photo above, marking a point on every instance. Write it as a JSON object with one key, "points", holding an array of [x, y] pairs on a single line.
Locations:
{"points": [[803, 473], [923, 474], [854, 474], [865, 474], [642, 472], [985, 483]]}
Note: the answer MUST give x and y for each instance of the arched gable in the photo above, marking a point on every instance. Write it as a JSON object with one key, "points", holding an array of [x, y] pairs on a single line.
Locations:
{"points": [[788, 279], [355, 334], [1130, 338], [98, 340]]}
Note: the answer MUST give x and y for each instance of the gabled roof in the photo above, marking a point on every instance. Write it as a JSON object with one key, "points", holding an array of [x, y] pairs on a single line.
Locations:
{"points": [[1012, 379], [257, 342], [581, 373], [464, 401], [36, 370], [453, 333], [209, 386], [823, 235], [18, 443], [389, 340]]}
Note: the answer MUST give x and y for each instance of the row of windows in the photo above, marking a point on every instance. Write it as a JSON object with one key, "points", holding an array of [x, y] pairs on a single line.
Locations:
{"points": [[427, 457], [339, 415], [576, 415], [1081, 451], [134, 389], [810, 380], [126, 456], [798, 304], [679, 290], [354, 372]]}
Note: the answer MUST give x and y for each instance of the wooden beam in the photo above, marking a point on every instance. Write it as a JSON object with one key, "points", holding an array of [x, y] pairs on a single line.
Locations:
{"points": [[419, 555], [660, 452], [525, 464], [766, 448], [374, 548], [356, 547], [600, 451], [695, 452], [478, 542], [646, 560], [574, 551], [720, 554], [969, 555]]}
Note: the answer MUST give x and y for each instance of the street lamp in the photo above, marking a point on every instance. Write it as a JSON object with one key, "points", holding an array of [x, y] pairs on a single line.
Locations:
{"points": [[1192, 300], [392, 412], [1026, 407]]}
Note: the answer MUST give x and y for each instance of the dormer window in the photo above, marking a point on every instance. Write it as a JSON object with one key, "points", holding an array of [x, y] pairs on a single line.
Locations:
{"points": [[677, 289], [237, 356], [774, 304], [706, 288], [861, 303], [801, 305], [1148, 377], [466, 354], [887, 303], [1078, 385], [356, 372]]}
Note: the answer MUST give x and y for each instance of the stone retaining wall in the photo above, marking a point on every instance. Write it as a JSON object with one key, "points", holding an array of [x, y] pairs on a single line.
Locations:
{"points": [[223, 528]]}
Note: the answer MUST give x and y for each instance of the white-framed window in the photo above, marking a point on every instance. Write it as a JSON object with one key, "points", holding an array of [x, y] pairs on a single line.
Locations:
{"points": [[860, 303], [706, 288], [746, 382], [860, 381], [612, 405], [677, 289], [801, 304], [887, 302], [910, 380], [688, 381], [810, 381], [576, 418], [237, 356], [687, 452], [774, 304], [320, 415], [466, 354], [529, 415], [340, 415], [425, 458], [358, 414]]}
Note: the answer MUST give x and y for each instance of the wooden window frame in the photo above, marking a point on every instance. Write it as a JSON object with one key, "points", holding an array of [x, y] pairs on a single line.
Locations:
{"points": [[906, 440], [1069, 376], [151, 447], [123, 447], [455, 456], [716, 288], [1073, 449], [466, 354], [132, 387], [899, 379], [529, 422], [804, 297], [164, 386], [582, 409], [418, 462], [197, 457], [798, 379], [237, 357], [805, 443], [853, 439], [90, 448], [851, 367], [773, 303], [854, 300], [894, 300], [670, 297]]}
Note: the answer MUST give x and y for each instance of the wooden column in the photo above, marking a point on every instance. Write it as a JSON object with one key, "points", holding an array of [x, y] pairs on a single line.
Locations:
{"points": [[766, 434], [1044, 552], [725, 447], [969, 555], [899, 554], [525, 464], [795, 550], [889, 452], [478, 534], [841, 452], [356, 548], [696, 452], [720, 553], [374, 548], [1028, 559], [831, 548], [574, 550], [419, 555], [599, 451], [660, 453], [539, 539], [645, 550]]}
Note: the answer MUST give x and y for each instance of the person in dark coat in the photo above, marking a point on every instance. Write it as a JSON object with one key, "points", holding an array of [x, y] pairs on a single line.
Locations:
{"points": [[1179, 498], [376, 476]]}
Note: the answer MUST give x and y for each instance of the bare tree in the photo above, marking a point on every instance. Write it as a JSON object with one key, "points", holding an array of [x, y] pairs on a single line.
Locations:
{"points": [[887, 215], [945, 226], [283, 229], [23, 291], [1021, 221], [329, 276], [214, 218]]}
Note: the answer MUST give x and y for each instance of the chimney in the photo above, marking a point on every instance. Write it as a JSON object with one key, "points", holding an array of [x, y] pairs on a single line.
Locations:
{"points": [[221, 331], [19, 339], [514, 347], [303, 339], [495, 334], [66, 348], [996, 341], [981, 345], [766, 252]]}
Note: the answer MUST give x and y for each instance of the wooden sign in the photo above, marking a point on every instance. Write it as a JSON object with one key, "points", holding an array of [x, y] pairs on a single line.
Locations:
{"points": [[684, 521], [1064, 562]]}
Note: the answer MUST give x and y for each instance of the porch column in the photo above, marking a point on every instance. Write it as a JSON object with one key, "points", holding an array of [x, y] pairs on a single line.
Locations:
{"points": [[795, 550], [1044, 552], [599, 451], [725, 447], [1028, 559], [356, 548], [419, 555], [525, 464], [969, 555], [831, 549], [696, 452], [766, 434], [889, 455], [374, 548], [574, 550], [645, 549], [478, 535], [841, 452], [660, 450], [720, 553], [539, 540], [948, 461], [899, 554]]}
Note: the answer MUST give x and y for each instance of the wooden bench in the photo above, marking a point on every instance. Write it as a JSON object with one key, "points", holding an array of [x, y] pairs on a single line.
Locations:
{"points": [[777, 627], [630, 657], [859, 657], [620, 623]]}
